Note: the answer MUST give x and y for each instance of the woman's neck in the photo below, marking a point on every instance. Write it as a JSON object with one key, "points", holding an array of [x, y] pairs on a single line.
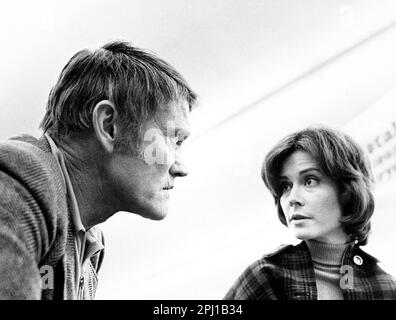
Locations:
{"points": [[326, 252]]}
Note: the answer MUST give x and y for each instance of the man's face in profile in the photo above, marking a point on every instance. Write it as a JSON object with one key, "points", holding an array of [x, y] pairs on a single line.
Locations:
{"points": [[143, 180]]}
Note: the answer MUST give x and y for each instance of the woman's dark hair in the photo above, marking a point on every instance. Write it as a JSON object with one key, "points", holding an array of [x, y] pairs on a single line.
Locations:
{"points": [[341, 159]]}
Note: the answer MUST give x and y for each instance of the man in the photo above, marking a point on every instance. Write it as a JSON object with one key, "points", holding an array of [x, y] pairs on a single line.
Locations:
{"points": [[113, 128]]}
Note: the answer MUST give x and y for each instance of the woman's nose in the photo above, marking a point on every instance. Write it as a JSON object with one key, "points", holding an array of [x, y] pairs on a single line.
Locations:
{"points": [[294, 197]]}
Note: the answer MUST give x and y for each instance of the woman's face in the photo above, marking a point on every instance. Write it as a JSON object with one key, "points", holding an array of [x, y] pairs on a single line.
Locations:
{"points": [[309, 200]]}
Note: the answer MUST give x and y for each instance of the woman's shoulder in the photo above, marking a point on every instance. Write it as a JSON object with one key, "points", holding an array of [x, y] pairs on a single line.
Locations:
{"points": [[286, 251], [258, 280], [368, 259], [282, 256], [373, 275]]}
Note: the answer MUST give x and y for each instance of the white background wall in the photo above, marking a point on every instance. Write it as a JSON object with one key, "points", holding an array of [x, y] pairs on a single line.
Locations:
{"points": [[262, 69]]}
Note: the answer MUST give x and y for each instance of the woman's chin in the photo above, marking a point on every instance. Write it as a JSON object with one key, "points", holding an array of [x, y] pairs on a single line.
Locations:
{"points": [[303, 236]]}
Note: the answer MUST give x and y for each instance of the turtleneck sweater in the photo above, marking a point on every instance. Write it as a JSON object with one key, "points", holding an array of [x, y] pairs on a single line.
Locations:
{"points": [[327, 259]]}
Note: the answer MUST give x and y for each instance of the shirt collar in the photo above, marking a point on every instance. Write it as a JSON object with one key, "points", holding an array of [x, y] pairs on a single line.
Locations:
{"points": [[89, 242], [71, 198]]}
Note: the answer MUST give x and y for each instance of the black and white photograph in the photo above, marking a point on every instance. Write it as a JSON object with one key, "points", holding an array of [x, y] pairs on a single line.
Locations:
{"points": [[212, 150]]}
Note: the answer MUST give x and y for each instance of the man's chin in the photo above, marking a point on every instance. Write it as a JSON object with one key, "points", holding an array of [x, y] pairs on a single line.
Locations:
{"points": [[158, 217]]}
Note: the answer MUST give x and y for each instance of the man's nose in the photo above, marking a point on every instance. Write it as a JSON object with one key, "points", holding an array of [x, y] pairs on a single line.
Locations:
{"points": [[178, 169]]}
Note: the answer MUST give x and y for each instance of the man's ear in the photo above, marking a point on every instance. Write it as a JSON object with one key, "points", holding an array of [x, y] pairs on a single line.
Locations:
{"points": [[104, 118]]}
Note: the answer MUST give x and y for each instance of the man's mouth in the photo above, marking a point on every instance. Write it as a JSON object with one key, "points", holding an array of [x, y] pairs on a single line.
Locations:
{"points": [[168, 188]]}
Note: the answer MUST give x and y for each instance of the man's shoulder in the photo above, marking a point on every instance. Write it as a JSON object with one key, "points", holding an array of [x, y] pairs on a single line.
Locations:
{"points": [[22, 149], [28, 169], [27, 159], [33, 202]]}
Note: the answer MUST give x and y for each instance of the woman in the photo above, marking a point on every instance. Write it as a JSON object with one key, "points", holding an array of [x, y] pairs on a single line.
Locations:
{"points": [[321, 181]]}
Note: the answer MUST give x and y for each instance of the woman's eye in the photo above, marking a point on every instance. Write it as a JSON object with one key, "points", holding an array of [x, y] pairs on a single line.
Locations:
{"points": [[284, 187], [311, 182]]}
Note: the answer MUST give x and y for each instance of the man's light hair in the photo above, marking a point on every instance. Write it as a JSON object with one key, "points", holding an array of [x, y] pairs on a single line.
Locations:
{"points": [[135, 80]]}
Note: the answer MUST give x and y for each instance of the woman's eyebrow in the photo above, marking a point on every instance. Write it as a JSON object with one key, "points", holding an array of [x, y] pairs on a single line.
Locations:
{"points": [[309, 170], [283, 177]]}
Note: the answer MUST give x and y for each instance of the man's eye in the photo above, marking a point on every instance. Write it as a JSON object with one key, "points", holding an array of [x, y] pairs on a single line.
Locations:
{"points": [[175, 140], [180, 139]]}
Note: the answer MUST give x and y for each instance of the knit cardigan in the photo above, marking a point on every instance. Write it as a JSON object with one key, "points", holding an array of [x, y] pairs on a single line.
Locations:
{"points": [[36, 233]]}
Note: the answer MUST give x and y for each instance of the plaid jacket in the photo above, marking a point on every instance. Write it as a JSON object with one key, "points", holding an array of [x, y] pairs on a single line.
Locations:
{"points": [[288, 274]]}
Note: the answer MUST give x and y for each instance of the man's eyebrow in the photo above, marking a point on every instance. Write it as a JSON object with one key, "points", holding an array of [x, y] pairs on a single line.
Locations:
{"points": [[179, 133]]}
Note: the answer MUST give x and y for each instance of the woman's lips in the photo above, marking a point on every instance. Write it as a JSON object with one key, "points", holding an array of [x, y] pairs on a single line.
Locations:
{"points": [[298, 217]]}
